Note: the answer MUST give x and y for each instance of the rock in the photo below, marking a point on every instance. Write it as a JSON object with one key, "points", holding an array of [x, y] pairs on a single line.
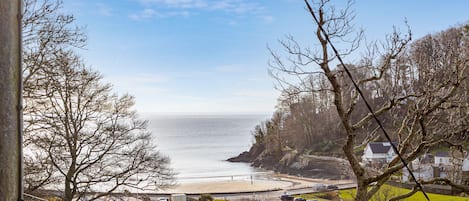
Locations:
{"points": [[244, 157], [289, 158], [248, 156], [294, 163]]}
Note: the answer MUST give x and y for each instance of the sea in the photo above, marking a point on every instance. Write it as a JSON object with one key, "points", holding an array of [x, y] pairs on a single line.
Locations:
{"points": [[198, 145]]}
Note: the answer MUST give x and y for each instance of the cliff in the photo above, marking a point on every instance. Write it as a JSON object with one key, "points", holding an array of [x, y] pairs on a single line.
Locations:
{"points": [[292, 162]]}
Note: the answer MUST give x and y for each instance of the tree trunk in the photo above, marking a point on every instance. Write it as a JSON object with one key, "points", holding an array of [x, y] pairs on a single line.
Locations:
{"points": [[68, 190], [361, 192], [10, 101], [69, 193]]}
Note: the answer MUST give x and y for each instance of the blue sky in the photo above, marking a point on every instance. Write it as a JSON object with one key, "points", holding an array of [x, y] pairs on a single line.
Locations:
{"points": [[210, 56]]}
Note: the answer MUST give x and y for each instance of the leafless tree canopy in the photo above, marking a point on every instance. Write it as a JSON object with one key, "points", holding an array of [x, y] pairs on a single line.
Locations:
{"points": [[419, 90], [80, 137]]}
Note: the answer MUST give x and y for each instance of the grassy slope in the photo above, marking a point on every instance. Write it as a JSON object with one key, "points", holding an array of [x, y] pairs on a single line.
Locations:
{"points": [[387, 192]]}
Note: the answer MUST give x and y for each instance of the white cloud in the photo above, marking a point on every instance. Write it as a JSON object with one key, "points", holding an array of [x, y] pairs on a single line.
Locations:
{"points": [[177, 3], [177, 13], [144, 14], [236, 6], [233, 6], [151, 13], [187, 8], [161, 93]]}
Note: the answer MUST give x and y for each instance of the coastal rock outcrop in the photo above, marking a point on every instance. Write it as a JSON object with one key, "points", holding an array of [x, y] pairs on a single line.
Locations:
{"points": [[292, 162], [248, 156]]}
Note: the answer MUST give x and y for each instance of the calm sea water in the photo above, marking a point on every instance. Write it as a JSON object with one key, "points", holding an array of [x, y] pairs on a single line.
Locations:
{"points": [[198, 145]]}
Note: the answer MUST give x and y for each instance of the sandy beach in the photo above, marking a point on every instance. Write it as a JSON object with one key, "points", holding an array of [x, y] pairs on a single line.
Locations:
{"points": [[228, 186], [274, 182]]}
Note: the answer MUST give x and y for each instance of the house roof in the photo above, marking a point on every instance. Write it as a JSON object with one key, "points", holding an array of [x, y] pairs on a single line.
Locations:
{"points": [[427, 158], [442, 154], [380, 147]]}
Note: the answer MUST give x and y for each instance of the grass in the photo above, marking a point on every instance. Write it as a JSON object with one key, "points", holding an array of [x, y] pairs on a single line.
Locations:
{"points": [[314, 196], [386, 192]]}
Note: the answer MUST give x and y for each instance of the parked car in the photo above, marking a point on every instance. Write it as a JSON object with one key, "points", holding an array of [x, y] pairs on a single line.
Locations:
{"points": [[163, 199], [286, 197], [300, 199], [332, 187], [319, 187]]}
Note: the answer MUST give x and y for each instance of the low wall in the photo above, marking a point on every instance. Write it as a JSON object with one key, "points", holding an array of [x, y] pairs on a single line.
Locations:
{"points": [[429, 188]]}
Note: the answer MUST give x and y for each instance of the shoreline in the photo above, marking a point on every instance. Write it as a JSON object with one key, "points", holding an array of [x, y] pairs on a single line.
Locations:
{"points": [[273, 182]]}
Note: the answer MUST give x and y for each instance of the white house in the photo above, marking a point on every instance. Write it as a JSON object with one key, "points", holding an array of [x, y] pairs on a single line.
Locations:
{"points": [[378, 152], [465, 164], [465, 170], [450, 165], [424, 160], [442, 158], [423, 171]]}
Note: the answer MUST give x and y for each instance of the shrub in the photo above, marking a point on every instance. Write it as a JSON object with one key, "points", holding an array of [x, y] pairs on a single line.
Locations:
{"points": [[205, 197]]}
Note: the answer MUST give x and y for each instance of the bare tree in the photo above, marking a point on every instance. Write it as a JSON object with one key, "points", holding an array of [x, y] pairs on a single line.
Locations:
{"points": [[79, 137], [46, 31], [91, 137], [417, 90]]}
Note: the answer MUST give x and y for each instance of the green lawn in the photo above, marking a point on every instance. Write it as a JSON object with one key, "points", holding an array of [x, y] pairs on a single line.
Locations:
{"points": [[387, 192]]}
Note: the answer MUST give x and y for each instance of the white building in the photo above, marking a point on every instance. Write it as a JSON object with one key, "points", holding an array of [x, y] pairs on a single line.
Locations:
{"points": [[423, 171], [465, 170], [442, 158], [465, 164], [378, 152]]}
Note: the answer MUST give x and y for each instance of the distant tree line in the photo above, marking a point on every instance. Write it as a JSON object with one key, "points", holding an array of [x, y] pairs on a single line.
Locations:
{"points": [[419, 90], [306, 118], [80, 138]]}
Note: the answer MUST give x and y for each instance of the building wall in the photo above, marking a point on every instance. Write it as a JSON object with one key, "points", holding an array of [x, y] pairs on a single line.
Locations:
{"points": [[424, 171], [390, 155], [368, 155], [442, 160], [465, 165]]}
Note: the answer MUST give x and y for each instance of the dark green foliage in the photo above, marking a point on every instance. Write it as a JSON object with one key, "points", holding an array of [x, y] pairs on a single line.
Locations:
{"points": [[258, 134], [205, 197], [192, 199]]}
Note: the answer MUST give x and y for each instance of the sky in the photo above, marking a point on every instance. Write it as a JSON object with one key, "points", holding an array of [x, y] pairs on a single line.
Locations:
{"points": [[211, 56]]}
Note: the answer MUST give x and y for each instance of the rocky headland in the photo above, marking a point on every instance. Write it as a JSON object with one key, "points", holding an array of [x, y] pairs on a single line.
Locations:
{"points": [[290, 161]]}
